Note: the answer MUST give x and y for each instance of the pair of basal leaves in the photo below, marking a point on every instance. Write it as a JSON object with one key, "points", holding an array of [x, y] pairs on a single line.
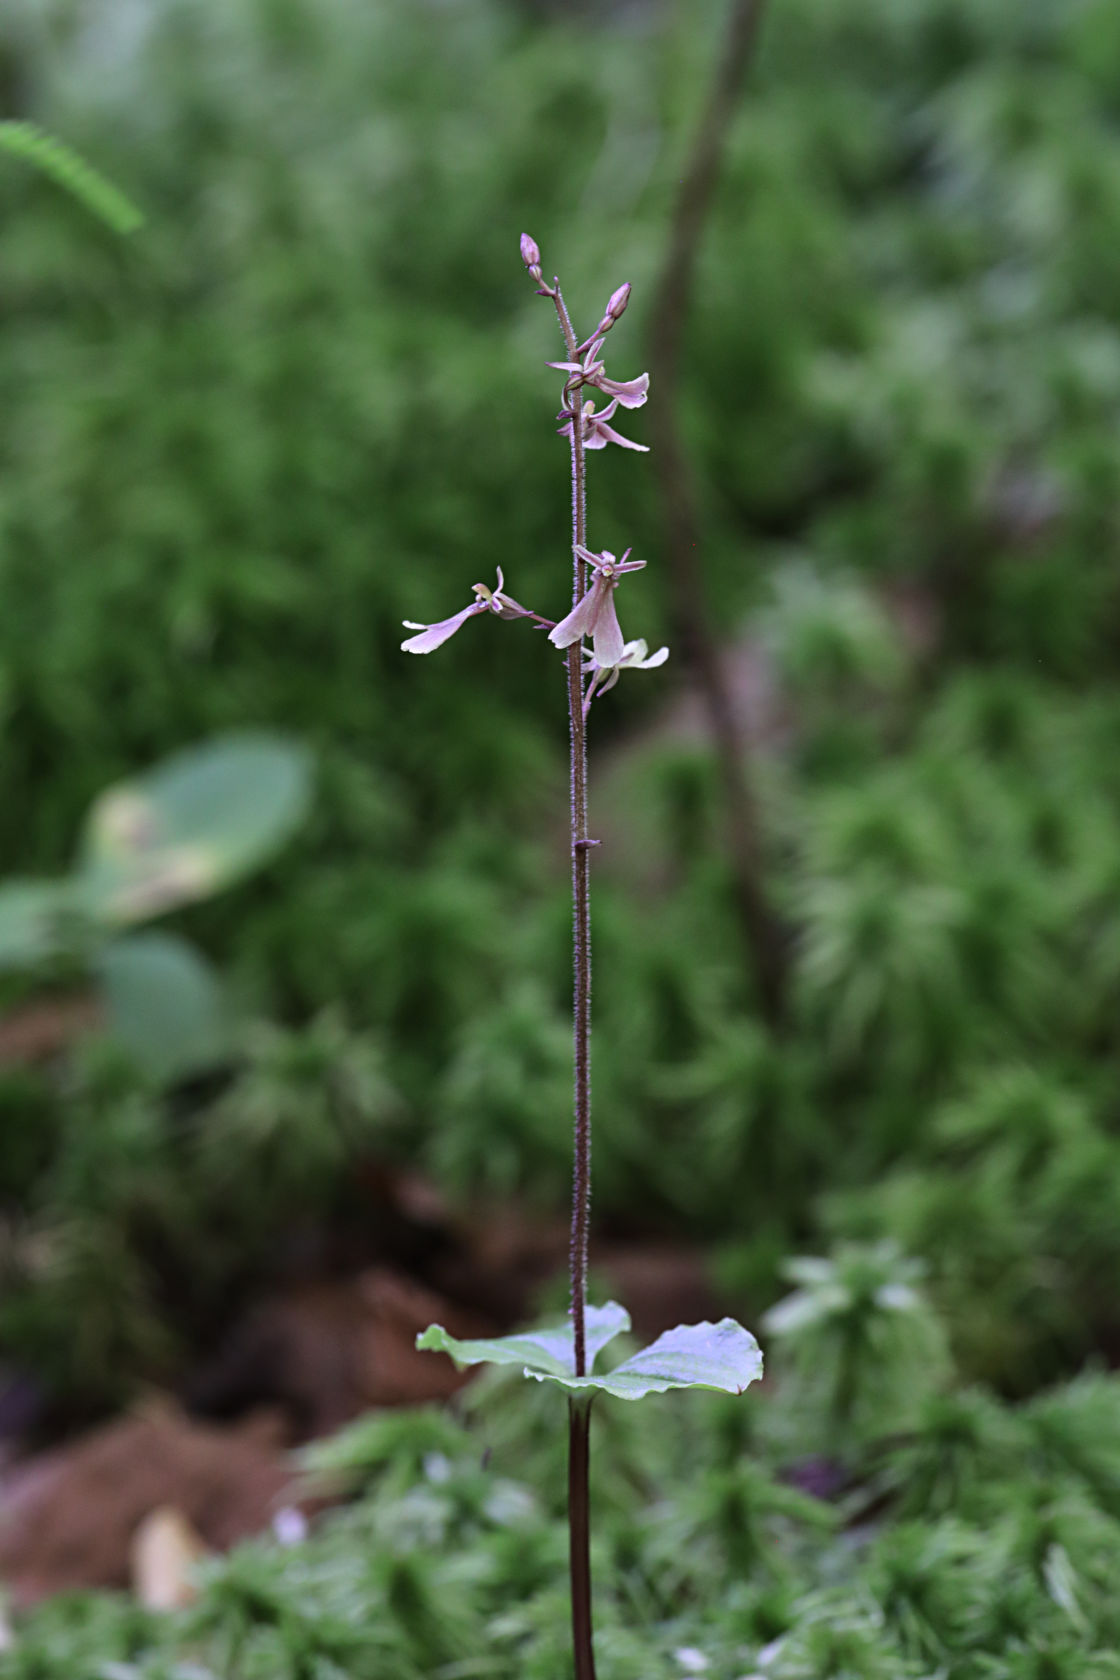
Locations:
{"points": [[720, 1356]]}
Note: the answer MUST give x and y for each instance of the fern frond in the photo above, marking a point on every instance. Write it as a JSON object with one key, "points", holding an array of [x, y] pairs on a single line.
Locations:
{"points": [[64, 166]]}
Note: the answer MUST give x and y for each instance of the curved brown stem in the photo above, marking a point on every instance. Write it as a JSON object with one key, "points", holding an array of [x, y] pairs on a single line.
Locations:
{"points": [[763, 933]]}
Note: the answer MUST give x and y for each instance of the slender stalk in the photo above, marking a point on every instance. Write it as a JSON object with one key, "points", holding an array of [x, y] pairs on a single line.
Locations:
{"points": [[579, 1410], [579, 1430], [764, 936], [581, 896]]}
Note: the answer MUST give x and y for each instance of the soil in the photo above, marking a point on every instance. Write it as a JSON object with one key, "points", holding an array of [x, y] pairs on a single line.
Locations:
{"points": [[70, 1516]]}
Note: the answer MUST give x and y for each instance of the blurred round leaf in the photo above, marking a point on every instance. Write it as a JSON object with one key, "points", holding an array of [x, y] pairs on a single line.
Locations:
{"points": [[191, 826], [164, 1004]]}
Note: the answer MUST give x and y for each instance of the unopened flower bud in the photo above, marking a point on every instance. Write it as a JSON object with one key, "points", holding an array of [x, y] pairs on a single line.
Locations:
{"points": [[618, 301], [531, 252]]}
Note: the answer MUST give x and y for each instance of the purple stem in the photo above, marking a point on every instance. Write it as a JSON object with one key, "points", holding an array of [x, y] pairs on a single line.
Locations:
{"points": [[581, 898], [579, 1534], [579, 1411]]}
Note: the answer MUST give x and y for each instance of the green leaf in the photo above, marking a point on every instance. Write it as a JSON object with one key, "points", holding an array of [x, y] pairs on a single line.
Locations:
{"points": [[191, 826], [36, 921], [541, 1353], [165, 1004], [63, 165], [720, 1356]]}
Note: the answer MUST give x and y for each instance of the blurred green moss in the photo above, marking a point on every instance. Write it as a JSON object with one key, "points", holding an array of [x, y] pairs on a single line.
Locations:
{"points": [[307, 401]]}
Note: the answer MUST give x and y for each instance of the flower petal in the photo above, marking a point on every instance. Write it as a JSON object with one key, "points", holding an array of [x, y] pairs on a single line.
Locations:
{"points": [[652, 662], [608, 435], [608, 643], [631, 393], [583, 618], [433, 636]]}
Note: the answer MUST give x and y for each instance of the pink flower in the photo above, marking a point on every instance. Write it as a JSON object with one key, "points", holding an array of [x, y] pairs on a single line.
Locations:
{"points": [[594, 614], [596, 433], [433, 636], [631, 393]]}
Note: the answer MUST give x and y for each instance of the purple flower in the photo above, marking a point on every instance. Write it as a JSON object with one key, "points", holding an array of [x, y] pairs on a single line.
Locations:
{"points": [[631, 393], [596, 433], [433, 636], [594, 614]]}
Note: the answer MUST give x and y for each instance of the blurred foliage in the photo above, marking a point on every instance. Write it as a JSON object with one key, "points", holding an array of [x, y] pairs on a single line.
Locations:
{"points": [[857, 1343], [135, 1228], [307, 401]]}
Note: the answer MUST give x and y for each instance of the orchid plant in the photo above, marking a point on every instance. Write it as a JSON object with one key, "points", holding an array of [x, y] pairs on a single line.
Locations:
{"points": [[720, 1356]]}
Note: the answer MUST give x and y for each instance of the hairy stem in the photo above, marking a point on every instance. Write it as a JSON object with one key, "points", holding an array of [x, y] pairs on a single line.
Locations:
{"points": [[579, 1411], [764, 936], [581, 897]]}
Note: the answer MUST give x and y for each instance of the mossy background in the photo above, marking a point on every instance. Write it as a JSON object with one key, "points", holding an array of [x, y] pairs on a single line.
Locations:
{"points": [[306, 401]]}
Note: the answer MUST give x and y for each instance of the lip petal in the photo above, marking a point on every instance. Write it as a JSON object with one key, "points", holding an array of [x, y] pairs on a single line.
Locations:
{"points": [[653, 661], [607, 434], [631, 393], [433, 636], [608, 643]]}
